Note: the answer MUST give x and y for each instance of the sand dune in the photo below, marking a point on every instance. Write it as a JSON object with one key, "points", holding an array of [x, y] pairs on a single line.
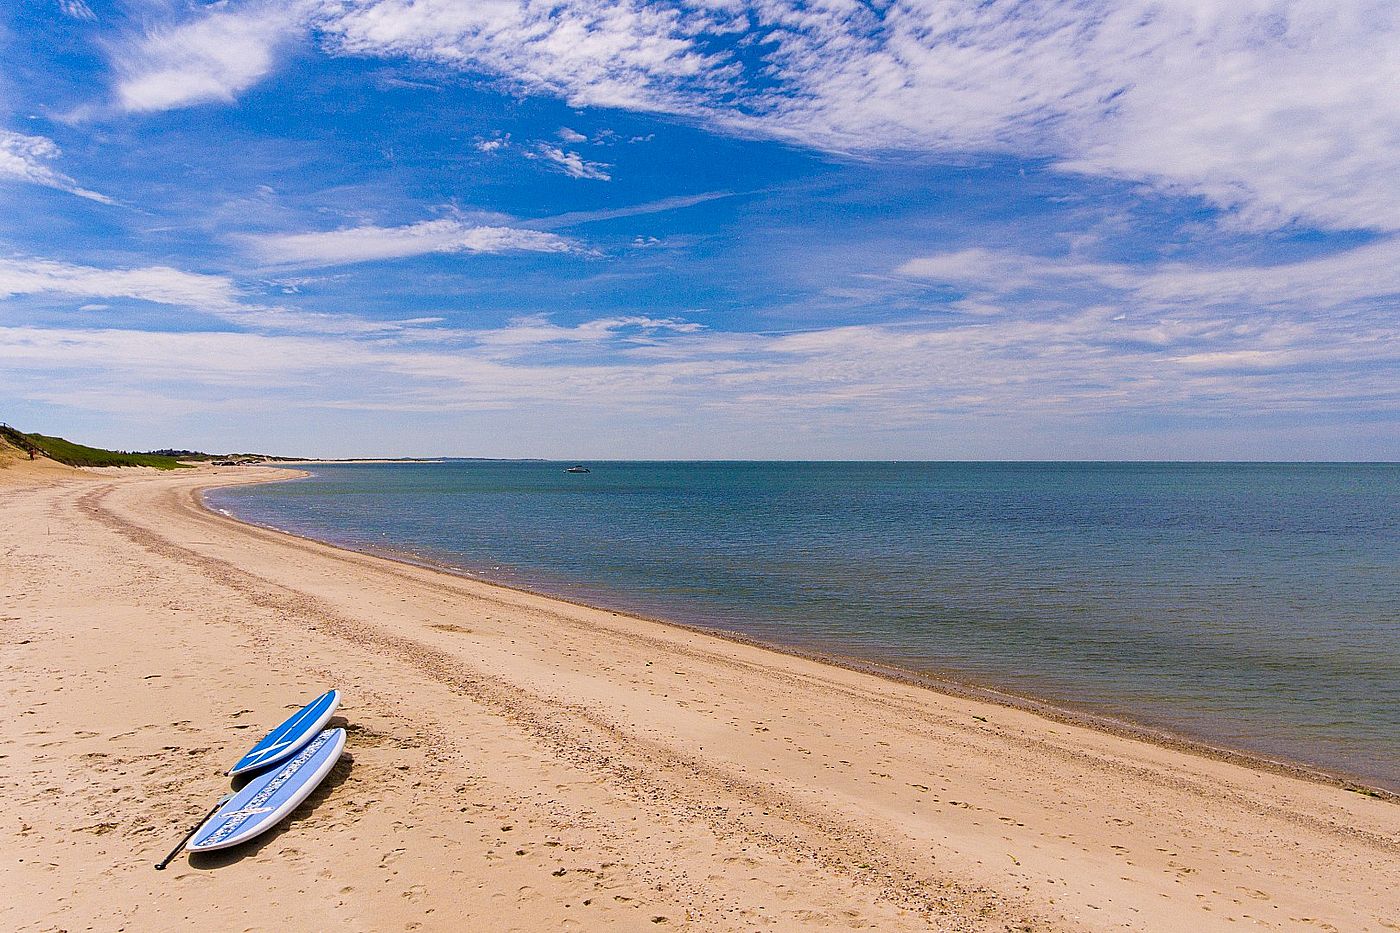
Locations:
{"points": [[517, 762], [16, 467]]}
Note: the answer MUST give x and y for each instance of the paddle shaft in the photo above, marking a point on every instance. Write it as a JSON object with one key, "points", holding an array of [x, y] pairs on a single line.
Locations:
{"points": [[160, 866]]}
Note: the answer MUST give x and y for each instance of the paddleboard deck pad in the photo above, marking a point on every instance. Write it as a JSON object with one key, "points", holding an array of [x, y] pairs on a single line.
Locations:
{"points": [[287, 739], [270, 796]]}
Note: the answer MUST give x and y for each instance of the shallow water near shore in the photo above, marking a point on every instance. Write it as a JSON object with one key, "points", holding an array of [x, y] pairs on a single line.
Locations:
{"points": [[1251, 605]]}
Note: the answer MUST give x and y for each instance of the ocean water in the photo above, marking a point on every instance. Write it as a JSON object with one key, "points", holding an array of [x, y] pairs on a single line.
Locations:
{"points": [[1251, 605]]}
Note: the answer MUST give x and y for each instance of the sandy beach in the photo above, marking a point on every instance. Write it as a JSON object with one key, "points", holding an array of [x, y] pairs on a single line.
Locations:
{"points": [[521, 763]]}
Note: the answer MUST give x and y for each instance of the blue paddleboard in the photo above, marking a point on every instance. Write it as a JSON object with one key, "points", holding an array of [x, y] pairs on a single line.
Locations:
{"points": [[284, 741], [270, 796]]}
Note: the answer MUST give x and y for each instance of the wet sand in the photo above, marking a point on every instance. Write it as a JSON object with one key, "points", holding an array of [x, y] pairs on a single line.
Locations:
{"points": [[517, 762]]}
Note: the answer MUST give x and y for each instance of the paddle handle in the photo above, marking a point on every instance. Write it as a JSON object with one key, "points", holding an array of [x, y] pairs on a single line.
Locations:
{"points": [[160, 866]]}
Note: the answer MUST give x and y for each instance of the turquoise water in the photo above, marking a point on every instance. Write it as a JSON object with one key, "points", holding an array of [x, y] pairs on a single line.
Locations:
{"points": [[1252, 605]]}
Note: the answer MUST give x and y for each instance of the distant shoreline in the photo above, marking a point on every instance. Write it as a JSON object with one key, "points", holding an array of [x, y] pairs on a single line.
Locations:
{"points": [[353, 460]]}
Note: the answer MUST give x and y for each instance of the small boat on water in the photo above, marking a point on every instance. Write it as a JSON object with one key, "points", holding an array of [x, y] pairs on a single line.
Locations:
{"points": [[578, 468]]}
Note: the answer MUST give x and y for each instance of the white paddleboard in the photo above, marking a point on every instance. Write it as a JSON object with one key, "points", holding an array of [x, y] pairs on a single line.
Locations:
{"points": [[284, 741], [270, 796]]}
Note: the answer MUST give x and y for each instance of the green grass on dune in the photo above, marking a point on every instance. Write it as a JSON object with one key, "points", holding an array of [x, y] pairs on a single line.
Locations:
{"points": [[64, 451]]}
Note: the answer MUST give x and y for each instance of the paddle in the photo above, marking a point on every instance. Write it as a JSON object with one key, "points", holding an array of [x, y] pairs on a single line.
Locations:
{"points": [[160, 866]]}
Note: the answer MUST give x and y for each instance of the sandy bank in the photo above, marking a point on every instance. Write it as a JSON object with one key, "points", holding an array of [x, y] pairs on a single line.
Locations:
{"points": [[522, 763], [18, 469]]}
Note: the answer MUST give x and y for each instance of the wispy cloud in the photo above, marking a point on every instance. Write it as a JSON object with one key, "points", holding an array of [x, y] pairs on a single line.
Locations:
{"points": [[371, 243], [1258, 108], [29, 159], [538, 330], [576, 218], [572, 164], [1073, 342], [191, 293], [591, 52], [1077, 366], [1362, 273], [211, 57], [77, 9], [1170, 343], [159, 284]]}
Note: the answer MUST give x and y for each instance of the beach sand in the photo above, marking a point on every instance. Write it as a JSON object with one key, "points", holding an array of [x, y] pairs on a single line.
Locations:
{"points": [[516, 762]]}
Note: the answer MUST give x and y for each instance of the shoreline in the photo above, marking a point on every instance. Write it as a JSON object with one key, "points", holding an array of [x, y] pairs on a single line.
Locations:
{"points": [[947, 683], [549, 765]]}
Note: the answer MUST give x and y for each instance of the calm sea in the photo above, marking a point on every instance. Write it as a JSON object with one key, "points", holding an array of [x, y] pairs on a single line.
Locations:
{"points": [[1251, 605]]}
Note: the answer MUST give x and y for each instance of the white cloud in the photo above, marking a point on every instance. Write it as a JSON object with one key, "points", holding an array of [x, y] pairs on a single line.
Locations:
{"points": [[1362, 273], [1255, 106], [592, 53], [214, 295], [1002, 270], [1261, 107], [159, 284], [369, 243], [28, 158], [571, 136], [573, 164], [211, 57], [1109, 342], [77, 9], [1083, 365], [538, 330], [142, 359], [662, 205]]}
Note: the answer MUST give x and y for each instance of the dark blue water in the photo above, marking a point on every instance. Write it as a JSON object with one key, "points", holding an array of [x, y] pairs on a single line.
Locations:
{"points": [[1254, 605]]}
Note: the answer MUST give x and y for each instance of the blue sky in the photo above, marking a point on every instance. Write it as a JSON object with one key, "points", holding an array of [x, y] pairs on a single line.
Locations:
{"points": [[704, 229]]}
